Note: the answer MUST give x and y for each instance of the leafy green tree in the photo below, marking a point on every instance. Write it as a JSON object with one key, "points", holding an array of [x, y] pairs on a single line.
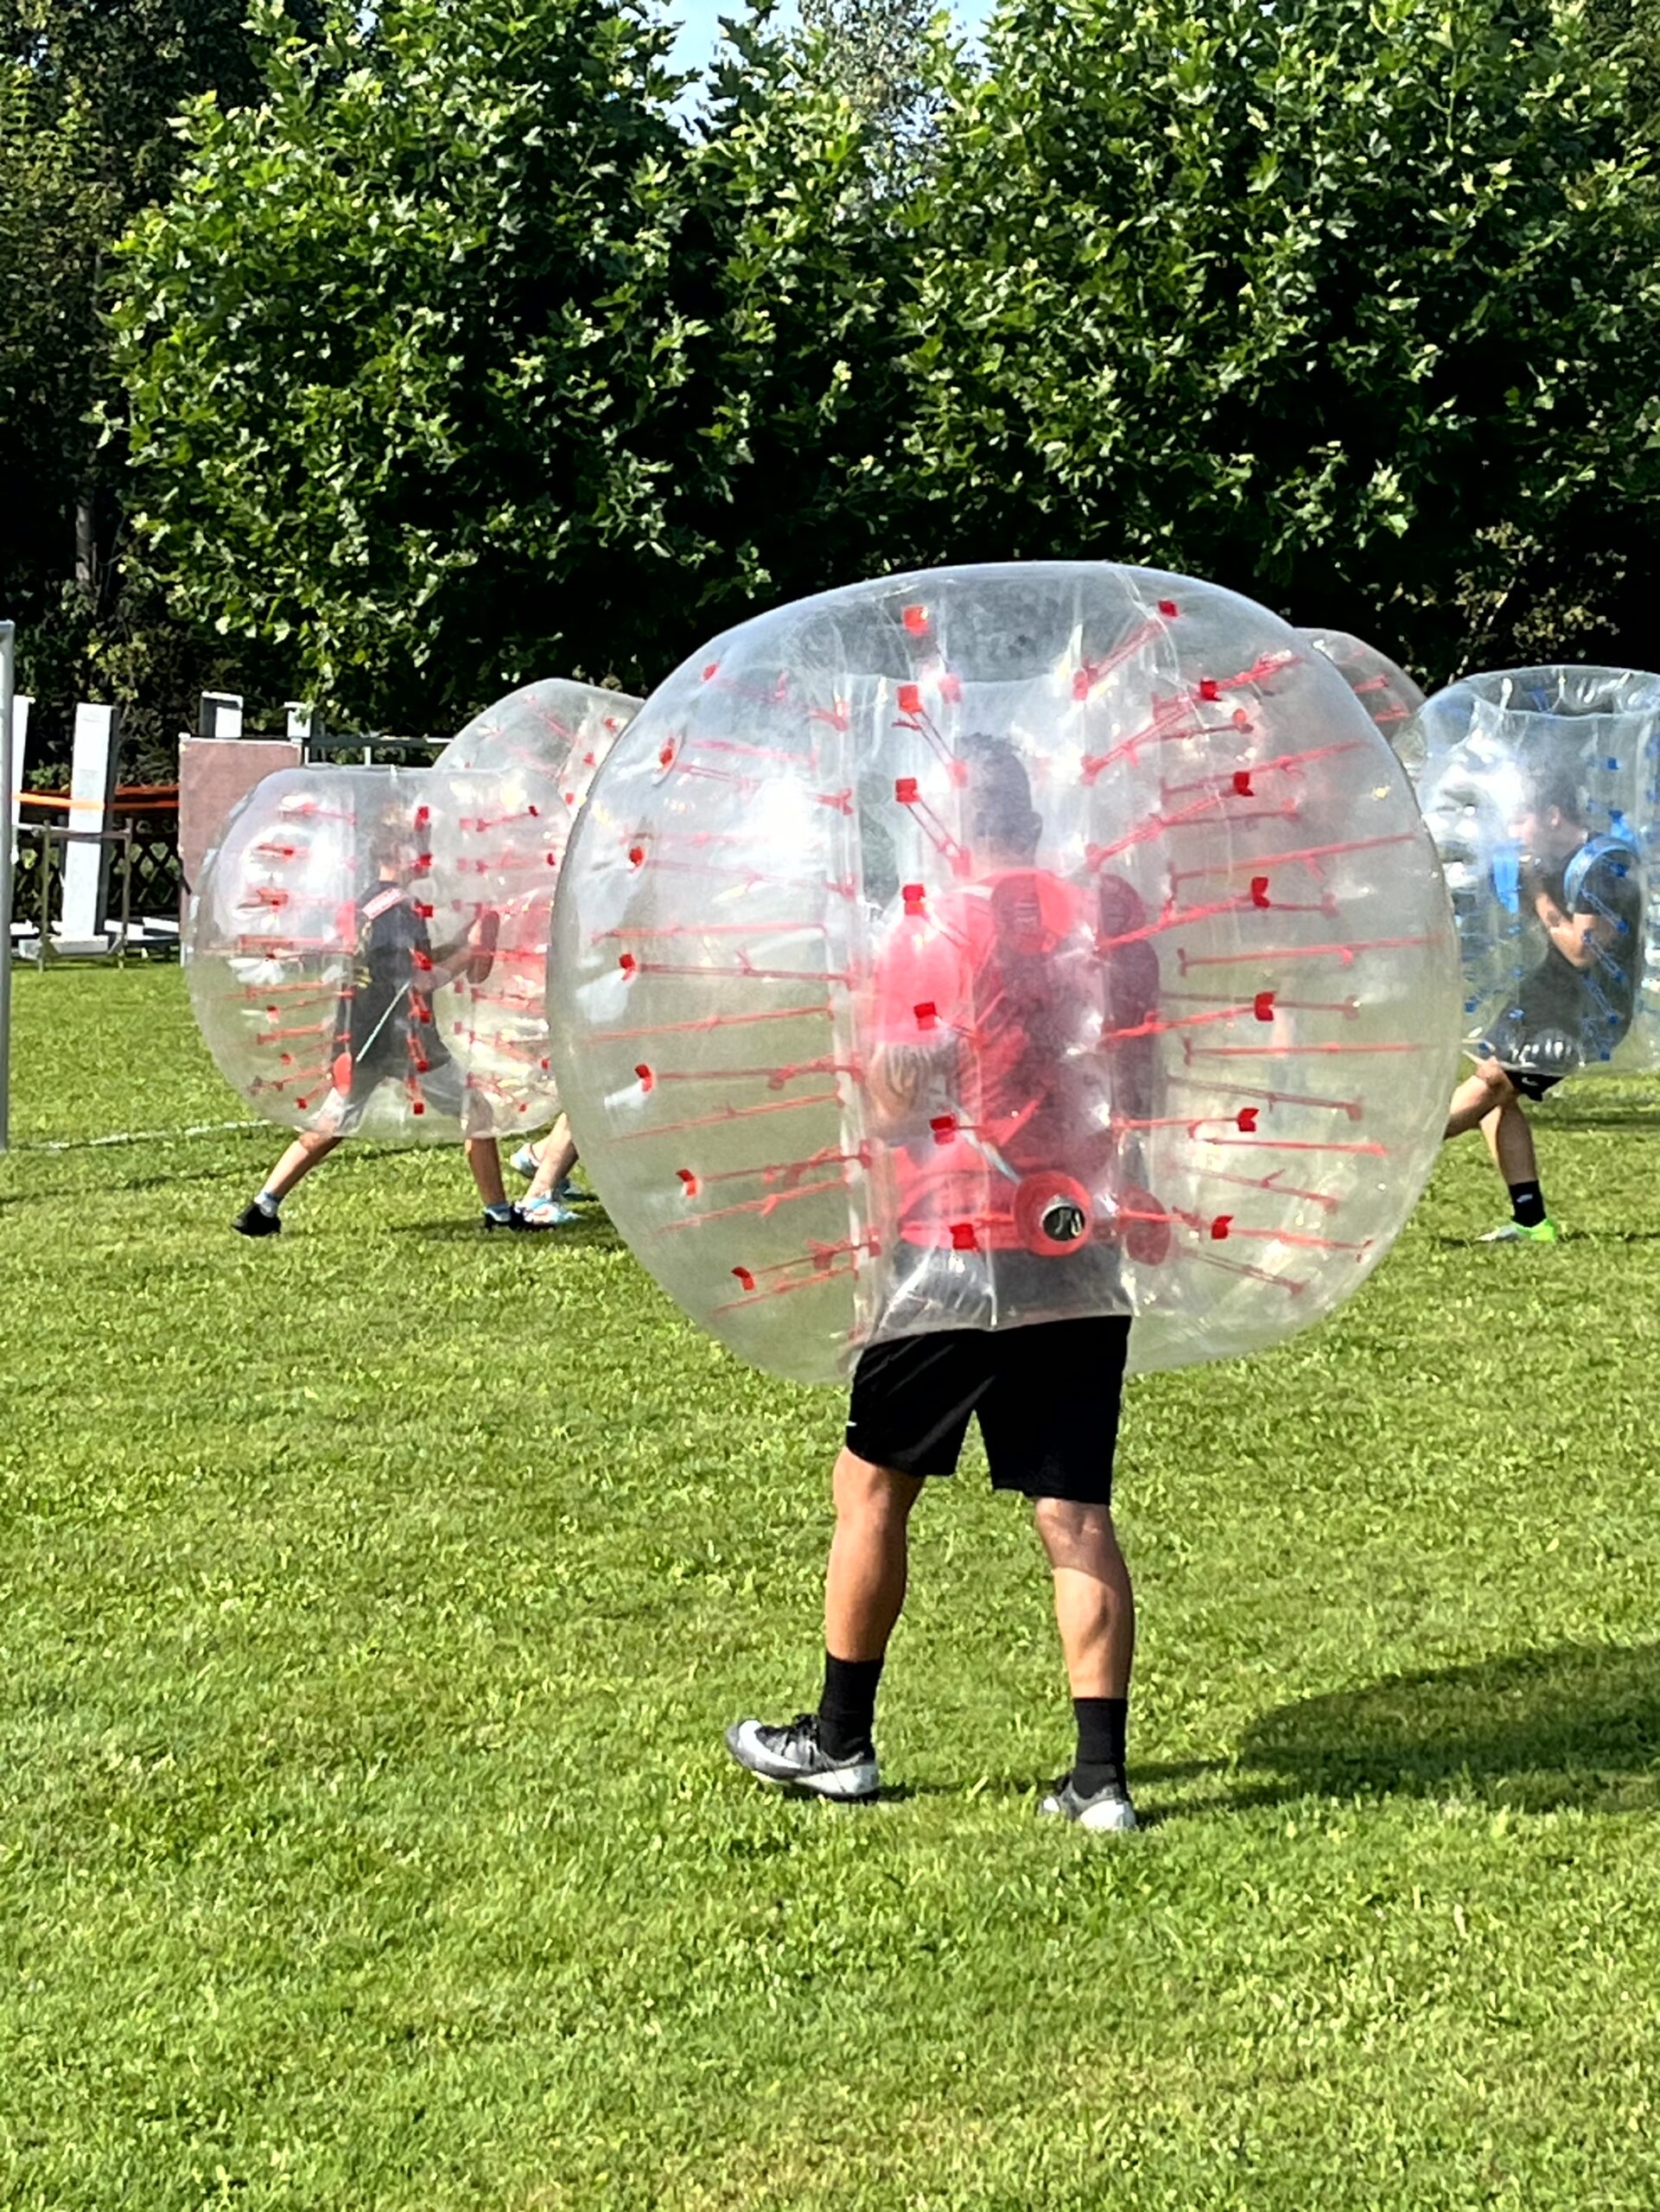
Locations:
{"points": [[87, 95], [56, 211], [882, 55], [1349, 304], [457, 360], [802, 365]]}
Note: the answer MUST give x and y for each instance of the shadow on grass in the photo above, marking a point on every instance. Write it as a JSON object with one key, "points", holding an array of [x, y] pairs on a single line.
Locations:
{"points": [[1598, 1117], [591, 1232], [107, 1186], [1576, 1726], [1446, 1241]]}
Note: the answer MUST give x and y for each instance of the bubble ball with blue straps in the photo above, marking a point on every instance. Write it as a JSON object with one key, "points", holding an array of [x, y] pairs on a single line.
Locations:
{"points": [[1541, 787]]}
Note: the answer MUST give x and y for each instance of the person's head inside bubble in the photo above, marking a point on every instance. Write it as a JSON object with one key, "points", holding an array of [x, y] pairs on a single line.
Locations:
{"points": [[1549, 821], [1003, 826]]}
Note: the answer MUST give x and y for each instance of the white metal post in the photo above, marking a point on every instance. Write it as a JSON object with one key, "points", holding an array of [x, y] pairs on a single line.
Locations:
{"points": [[219, 714], [21, 703], [6, 689], [86, 867]]}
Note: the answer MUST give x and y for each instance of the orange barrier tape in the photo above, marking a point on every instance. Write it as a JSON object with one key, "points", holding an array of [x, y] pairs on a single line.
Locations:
{"points": [[131, 798]]}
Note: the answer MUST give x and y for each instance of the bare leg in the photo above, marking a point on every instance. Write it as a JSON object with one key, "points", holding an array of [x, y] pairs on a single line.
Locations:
{"points": [[297, 1162], [484, 1158], [1095, 1607], [555, 1158], [1489, 1101], [1510, 1139], [864, 1586], [1476, 1097]]}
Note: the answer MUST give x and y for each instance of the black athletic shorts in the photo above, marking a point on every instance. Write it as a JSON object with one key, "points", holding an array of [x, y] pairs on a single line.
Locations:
{"points": [[1528, 1083], [1550, 1031], [1046, 1395]]}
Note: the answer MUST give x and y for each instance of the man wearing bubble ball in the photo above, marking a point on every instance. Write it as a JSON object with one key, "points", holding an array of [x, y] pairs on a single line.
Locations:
{"points": [[1576, 1004], [1046, 1395], [384, 1026]]}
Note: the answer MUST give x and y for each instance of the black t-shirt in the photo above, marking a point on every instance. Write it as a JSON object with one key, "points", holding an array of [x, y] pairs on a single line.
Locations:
{"points": [[1610, 889], [386, 1016], [1563, 1016]]}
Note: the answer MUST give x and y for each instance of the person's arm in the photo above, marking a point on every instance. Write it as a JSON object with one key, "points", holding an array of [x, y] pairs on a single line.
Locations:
{"points": [[1579, 937], [907, 1085], [911, 1071], [475, 950]]}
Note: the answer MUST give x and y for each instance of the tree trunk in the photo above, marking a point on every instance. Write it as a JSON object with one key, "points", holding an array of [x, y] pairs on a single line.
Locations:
{"points": [[87, 538]]}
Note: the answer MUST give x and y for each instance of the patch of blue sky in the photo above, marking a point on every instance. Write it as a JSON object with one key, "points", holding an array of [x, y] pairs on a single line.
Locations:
{"points": [[699, 29]]}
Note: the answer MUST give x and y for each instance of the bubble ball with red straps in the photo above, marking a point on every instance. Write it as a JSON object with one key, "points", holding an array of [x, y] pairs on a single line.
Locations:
{"points": [[1541, 787], [992, 945], [529, 760], [1388, 693], [556, 727], [366, 953]]}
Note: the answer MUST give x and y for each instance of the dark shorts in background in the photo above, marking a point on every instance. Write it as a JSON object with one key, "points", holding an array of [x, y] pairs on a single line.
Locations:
{"points": [[1046, 1397], [1556, 1025], [1528, 1083]]}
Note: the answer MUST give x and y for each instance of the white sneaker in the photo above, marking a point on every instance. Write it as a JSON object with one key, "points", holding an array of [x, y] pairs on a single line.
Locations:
{"points": [[1108, 1812], [794, 1755]]}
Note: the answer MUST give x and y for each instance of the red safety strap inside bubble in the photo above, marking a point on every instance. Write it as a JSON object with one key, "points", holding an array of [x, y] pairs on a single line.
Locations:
{"points": [[962, 1237]]}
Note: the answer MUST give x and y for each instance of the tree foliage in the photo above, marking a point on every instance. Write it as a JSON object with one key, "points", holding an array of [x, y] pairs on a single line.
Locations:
{"points": [[457, 359], [88, 92], [456, 354], [882, 56], [1349, 303]]}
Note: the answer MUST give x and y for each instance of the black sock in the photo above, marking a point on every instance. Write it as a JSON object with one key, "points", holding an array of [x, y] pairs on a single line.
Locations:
{"points": [[1527, 1205], [847, 1711], [1102, 1723]]}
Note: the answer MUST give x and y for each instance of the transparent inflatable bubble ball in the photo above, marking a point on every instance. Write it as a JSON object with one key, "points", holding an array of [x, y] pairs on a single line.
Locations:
{"points": [[1387, 692], [366, 953], [983, 947], [1541, 787]]}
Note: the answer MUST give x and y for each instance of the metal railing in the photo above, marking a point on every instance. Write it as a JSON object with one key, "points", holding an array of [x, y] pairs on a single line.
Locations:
{"points": [[123, 843], [7, 687]]}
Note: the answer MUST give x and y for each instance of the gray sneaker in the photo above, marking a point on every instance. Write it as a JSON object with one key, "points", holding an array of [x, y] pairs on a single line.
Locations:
{"points": [[1107, 1810], [792, 1755]]}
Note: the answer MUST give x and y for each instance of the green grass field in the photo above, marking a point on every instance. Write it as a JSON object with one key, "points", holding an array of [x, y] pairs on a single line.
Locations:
{"points": [[374, 1599]]}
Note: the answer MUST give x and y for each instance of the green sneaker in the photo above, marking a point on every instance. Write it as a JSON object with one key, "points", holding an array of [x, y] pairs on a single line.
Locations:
{"points": [[1543, 1232]]}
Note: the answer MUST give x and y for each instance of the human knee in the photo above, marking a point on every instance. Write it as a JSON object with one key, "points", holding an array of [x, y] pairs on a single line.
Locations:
{"points": [[1497, 1091], [870, 1494], [1074, 1535]]}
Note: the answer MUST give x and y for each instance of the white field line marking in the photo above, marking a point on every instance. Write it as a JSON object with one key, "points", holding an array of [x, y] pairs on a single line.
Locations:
{"points": [[139, 1137]]}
